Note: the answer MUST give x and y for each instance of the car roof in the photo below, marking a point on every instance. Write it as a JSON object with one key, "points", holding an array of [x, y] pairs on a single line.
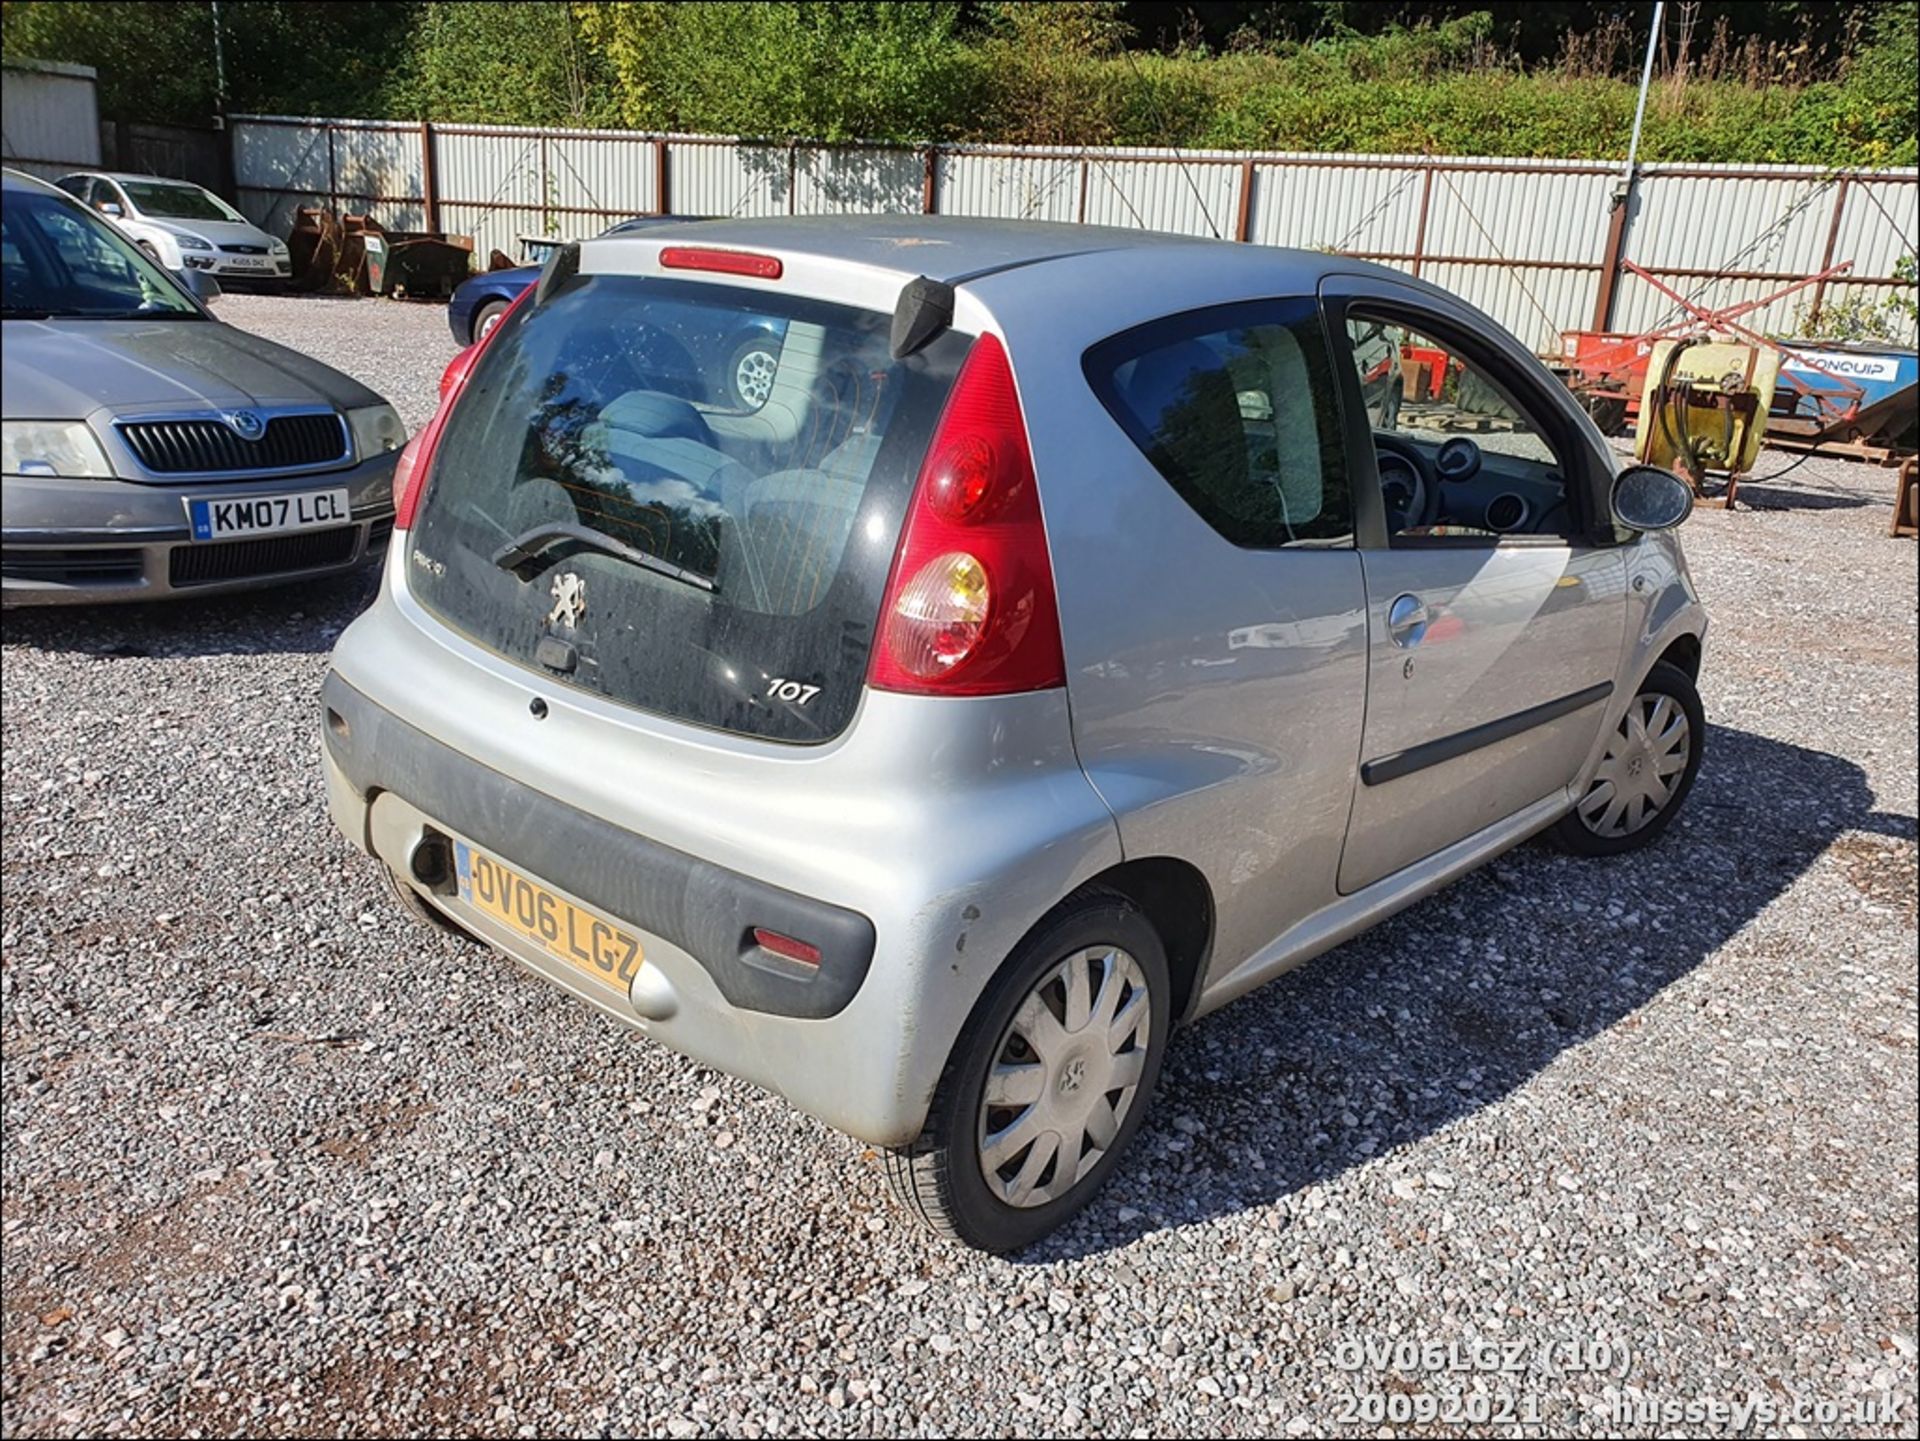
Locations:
{"points": [[956, 249], [941, 247], [12, 179], [124, 175]]}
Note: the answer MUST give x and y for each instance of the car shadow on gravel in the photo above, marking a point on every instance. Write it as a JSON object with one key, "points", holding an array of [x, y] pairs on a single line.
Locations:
{"points": [[1766, 495], [1453, 1004], [303, 618]]}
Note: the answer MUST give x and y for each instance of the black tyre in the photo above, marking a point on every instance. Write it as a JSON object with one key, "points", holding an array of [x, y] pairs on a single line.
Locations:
{"points": [[1651, 760], [488, 316], [1048, 1082], [416, 906]]}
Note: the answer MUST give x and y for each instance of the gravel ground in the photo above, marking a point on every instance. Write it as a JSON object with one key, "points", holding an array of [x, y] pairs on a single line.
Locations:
{"points": [[278, 1162]]}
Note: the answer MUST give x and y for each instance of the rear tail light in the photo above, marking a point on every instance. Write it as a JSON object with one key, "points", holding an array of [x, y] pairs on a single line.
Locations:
{"points": [[416, 460], [970, 607], [725, 262]]}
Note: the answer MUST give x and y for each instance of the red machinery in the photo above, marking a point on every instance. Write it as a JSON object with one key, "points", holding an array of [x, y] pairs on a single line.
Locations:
{"points": [[1608, 371]]}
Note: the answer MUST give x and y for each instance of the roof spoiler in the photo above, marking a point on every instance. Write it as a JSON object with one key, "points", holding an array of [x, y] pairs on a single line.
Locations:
{"points": [[561, 267], [925, 308]]}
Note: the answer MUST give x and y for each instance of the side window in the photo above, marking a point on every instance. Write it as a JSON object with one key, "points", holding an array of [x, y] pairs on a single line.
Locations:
{"points": [[88, 256], [1236, 407], [75, 185], [1459, 456]]}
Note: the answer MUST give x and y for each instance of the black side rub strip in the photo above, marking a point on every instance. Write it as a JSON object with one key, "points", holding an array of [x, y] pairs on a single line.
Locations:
{"points": [[706, 910], [1418, 758]]}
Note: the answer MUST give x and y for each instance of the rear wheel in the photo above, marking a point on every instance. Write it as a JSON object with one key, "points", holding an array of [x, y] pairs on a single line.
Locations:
{"points": [[1651, 760], [1048, 1083]]}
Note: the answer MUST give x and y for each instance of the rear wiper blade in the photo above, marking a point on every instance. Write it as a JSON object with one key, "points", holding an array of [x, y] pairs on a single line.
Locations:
{"points": [[525, 556]]}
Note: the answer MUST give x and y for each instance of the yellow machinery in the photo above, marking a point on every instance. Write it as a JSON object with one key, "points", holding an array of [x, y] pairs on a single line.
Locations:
{"points": [[1704, 409]]}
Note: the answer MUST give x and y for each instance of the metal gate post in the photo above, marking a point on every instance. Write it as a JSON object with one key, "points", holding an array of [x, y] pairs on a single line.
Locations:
{"points": [[662, 197], [1826, 256], [546, 190], [1420, 229], [1616, 244], [429, 177]]}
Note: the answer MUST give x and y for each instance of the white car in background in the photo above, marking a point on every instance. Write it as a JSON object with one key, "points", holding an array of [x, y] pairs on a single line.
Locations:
{"points": [[183, 226]]}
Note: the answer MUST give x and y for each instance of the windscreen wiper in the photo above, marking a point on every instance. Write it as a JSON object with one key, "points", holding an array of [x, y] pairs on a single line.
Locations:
{"points": [[525, 556]]}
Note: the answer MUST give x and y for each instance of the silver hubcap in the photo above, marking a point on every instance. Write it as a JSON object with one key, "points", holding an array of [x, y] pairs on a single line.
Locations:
{"points": [[753, 377], [1064, 1076], [1644, 762], [486, 326]]}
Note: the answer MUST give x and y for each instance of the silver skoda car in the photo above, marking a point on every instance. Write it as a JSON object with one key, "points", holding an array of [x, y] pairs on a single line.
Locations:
{"points": [[1090, 627], [150, 450]]}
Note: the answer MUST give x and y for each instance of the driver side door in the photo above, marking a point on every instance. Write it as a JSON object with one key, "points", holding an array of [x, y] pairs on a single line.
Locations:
{"points": [[1495, 595]]}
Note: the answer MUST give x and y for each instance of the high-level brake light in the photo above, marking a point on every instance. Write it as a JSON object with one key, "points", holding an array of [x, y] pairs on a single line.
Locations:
{"points": [[726, 262]]}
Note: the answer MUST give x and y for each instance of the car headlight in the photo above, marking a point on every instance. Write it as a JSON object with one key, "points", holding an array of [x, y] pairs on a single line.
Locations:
{"points": [[279, 247], [52, 447], [376, 430], [192, 242]]}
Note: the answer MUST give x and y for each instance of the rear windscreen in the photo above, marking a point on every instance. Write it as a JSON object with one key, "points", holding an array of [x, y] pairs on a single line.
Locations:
{"points": [[682, 496]]}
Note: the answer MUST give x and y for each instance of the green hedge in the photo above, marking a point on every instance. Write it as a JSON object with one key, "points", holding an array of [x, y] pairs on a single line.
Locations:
{"points": [[1010, 73]]}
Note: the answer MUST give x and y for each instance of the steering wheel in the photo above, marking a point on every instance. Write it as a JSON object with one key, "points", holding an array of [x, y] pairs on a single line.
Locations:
{"points": [[1405, 485]]}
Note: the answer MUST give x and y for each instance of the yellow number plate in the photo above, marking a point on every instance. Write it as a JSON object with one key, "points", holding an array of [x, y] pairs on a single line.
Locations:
{"points": [[583, 940]]}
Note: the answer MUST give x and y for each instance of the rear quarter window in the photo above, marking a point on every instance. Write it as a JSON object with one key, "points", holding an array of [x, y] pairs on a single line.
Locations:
{"points": [[611, 507], [1237, 408]]}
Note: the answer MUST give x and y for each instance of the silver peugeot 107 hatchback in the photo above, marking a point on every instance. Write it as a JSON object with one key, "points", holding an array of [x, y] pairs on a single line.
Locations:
{"points": [[1087, 627]]}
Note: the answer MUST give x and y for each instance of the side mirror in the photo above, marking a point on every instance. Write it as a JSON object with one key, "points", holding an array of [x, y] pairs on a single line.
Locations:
{"points": [[111, 208], [200, 285], [1645, 497]]}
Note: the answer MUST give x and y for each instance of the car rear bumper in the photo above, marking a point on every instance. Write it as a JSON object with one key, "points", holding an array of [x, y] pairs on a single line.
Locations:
{"points": [[701, 910], [67, 542], [915, 853]]}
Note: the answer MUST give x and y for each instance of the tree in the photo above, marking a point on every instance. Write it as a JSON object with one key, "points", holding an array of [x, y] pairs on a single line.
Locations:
{"points": [[866, 70], [505, 64]]}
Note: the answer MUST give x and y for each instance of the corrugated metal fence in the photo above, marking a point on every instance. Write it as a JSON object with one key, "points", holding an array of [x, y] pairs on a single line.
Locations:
{"points": [[49, 118], [1538, 244]]}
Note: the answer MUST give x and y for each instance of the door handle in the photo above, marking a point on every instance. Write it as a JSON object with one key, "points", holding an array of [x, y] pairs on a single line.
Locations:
{"points": [[1407, 621]]}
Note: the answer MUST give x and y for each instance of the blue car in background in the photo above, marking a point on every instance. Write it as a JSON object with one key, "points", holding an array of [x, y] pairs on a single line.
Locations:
{"points": [[738, 367]]}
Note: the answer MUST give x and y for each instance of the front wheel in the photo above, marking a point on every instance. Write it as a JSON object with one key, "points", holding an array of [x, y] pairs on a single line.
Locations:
{"points": [[1048, 1083], [1651, 760], [488, 316]]}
